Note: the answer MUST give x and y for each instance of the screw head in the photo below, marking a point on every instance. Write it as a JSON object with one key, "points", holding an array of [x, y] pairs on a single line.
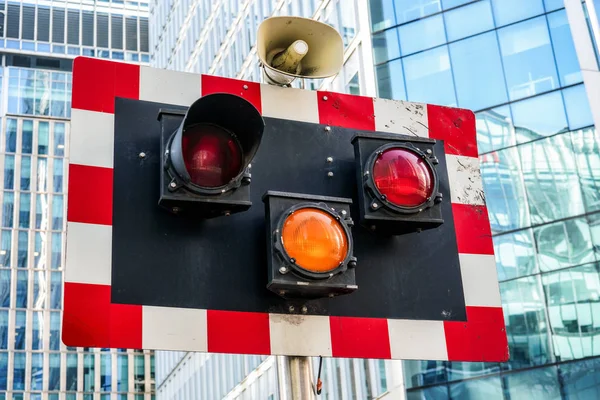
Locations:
{"points": [[330, 174], [428, 151], [142, 155], [374, 205], [293, 260], [173, 184], [176, 209], [291, 308], [304, 309], [245, 87], [344, 212], [281, 292], [327, 128], [227, 213], [331, 295], [283, 270], [329, 159], [324, 98]]}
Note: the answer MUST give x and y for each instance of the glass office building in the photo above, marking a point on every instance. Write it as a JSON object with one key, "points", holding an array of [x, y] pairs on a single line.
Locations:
{"points": [[517, 65], [38, 41], [529, 70]]}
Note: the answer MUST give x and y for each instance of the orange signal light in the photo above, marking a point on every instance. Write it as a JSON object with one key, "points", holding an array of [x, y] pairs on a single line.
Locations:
{"points": [[315, 240]]}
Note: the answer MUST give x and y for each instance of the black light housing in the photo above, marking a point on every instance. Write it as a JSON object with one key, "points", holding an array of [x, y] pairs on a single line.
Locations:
{"points": [[207, 153], [287, 276], [398, 183]]}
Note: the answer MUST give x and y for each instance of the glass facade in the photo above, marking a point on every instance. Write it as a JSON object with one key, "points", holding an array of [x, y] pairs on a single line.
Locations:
{"points": [[219, 37], [515, 64], [116, 29], [34, 131]]}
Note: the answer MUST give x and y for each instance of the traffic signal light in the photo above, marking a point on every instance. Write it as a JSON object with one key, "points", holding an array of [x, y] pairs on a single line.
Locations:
{"points": [[206, 155], [398, 183], [309, 245]]}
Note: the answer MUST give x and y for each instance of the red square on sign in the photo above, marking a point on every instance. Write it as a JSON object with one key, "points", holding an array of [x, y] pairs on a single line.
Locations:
{"points": [[360, 337], [238, 332]]}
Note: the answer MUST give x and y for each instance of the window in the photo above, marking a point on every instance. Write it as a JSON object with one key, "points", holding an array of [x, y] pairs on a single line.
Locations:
{"points": [[9, 172], [43, 20], [502, 178], [42, 174], [515, 254], [116, 31], [71, 372], [21, 295], [5, 246], [382, 14], [41, 211], [22, 249], [408, 10], [478, 72], [56, 290], [105, 374], [13, 19], [139, 374], [144, 36], [57, 212], [19, 372], [58, 175], [429, 78], [11, 135], [3, 370], [54, 330], [528, 60], [4, 288], [546, 384], [24, 210], [478, 15], [56, 261], [102, 30], [578, 108], [122, 373], [88, 373], [73, 27], [27, 27], [37, 371], [490, 388], [25, 173], [58, 25], [508, 11], [3, 329], [7, 209], [539, 116], [551, 180], [59, 139], [87, 28], [43, 136], [390, 80], [579, 379], [27, 137], [20, 322], [386, 46], [564, 49], [131, 37], [40, 292], [564, 244], [421, 35], [54, 372]]}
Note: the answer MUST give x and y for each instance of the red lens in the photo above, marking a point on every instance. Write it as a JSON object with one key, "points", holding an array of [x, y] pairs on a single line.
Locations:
{"points": [[403, 177], [211, 155]]}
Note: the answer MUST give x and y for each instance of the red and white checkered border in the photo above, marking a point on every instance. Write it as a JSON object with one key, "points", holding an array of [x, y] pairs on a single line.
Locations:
{"points": [[91, 320]]}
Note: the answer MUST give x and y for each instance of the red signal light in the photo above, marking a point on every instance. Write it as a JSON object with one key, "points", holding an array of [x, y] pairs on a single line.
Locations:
{"points": [[403, 177], [212, 156]]}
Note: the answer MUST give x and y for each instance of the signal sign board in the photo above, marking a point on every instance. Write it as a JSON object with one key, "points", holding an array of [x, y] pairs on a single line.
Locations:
{"points": [[142, 276]]}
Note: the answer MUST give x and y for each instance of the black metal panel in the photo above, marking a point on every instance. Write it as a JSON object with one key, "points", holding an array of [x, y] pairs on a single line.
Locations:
{"points": [[165, 260]]}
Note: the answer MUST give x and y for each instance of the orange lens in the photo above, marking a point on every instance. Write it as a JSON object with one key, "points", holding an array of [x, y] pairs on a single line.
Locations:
{"points": [[315, 240]]}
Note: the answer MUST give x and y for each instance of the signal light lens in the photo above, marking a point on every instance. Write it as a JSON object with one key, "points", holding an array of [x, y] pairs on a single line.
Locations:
{"points": [[315, 240], [403, 177], [212, 156]]}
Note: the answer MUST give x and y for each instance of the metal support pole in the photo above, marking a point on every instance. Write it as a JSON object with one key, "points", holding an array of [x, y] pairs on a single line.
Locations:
{"points": [[296, 378]]}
